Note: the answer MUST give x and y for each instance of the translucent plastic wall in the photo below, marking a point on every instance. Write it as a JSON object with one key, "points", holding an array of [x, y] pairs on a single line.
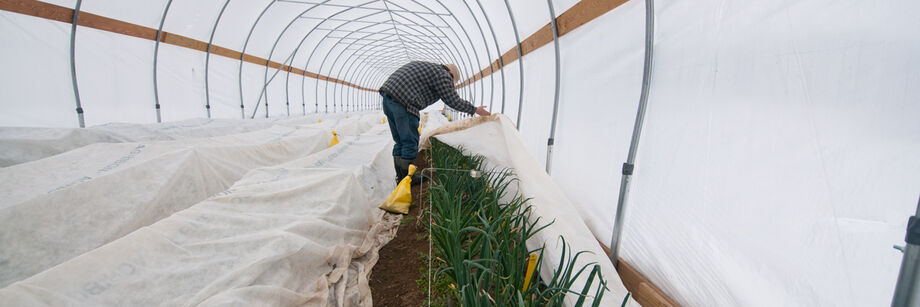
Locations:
{"points": [[241, 59], [779, 158]]}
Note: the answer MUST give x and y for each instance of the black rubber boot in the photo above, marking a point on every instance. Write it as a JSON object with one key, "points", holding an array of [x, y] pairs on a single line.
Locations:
{"points": [[402, 167]]}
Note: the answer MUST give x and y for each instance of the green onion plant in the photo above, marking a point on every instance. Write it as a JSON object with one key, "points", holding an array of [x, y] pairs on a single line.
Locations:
{"points": [[480, 240]]}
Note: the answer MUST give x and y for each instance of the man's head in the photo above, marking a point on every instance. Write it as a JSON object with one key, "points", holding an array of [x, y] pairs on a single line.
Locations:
{"points": [[454, 72]]}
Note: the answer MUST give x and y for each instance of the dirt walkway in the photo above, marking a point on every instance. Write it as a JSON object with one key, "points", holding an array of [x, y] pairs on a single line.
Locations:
{"points": [[394, 279]]}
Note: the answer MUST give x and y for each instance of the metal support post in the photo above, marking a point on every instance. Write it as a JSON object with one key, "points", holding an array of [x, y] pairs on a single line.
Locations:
{"points": [[156, 49], [907, 290], [552, 129], [73, 63], [243, 54], [520, 61], [637, 131], [207, 60]]}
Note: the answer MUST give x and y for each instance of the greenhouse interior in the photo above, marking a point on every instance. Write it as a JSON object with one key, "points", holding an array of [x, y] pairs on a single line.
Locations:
{"points": [[621, 153]]}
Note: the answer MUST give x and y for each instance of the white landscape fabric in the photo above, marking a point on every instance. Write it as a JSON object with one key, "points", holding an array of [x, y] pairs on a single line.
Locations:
{"points": [[60, 207], [302, 233], [496, 139]]}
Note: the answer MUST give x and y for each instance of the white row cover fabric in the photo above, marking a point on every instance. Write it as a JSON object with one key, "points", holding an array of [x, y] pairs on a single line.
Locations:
{"points": [[496, 139], [304, 232], [431, 118], [101, 192], [22, 144]]}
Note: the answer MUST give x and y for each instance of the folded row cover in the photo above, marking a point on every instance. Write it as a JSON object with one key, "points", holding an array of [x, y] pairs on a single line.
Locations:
{"points": [[499, 143]]}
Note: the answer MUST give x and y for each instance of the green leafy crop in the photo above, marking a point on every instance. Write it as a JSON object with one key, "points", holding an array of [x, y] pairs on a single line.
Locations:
{"points": [[479, 232]]}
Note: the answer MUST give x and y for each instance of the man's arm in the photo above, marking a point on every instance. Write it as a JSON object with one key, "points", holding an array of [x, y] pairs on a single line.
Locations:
{"points": [[448, 94]]}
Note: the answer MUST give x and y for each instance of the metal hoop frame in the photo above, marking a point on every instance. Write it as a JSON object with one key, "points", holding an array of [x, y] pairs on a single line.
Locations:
{"points": [[428, 34]]}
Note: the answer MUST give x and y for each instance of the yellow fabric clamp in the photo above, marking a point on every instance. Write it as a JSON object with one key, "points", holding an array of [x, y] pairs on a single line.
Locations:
{"points": [[335, 139], [401, 199]]}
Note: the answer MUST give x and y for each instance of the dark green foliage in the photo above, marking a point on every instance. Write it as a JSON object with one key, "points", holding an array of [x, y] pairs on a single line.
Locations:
{"points": [[479, 232]]}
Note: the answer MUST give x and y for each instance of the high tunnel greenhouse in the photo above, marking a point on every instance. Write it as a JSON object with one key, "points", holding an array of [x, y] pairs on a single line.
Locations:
{"points": [[698, 153]]}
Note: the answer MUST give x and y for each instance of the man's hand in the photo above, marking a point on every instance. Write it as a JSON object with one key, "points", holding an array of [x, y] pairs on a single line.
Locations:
{"points": [[481, 111]]}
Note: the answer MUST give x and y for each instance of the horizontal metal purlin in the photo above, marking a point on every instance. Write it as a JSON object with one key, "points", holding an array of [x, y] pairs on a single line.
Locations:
{"points": [[365, 21], [372, 39], [379, 66], [384, 64], [364, 56], [421, 44], [390, 41], [396, 60], [418, 48], [402, 56], [371, 44], [364, 39], [382, 32], [372, 32], [416, 40], [388, 55], [360, 7], [420, 25], [399, 14], [430, 38], [392, 57], [425, 36]]}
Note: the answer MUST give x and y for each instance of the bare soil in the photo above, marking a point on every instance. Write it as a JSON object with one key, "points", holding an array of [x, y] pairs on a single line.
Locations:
{"points": [[393, 279]]}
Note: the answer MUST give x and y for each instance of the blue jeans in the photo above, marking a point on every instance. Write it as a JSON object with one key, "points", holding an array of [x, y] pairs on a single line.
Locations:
{"points": [[403, 127]]}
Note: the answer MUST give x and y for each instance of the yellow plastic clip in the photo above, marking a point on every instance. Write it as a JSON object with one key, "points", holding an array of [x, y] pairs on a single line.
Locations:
{"points": [[319, 120], [531, 265], [401, 198], [335, 139], [383, 121]]}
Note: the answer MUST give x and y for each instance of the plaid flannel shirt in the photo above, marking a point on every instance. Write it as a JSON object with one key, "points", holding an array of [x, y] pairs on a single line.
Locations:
{"points": [[417, 85]]}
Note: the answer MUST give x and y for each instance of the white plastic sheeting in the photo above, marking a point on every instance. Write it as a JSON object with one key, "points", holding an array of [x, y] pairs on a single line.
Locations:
{"points": [[26, 41], [777, 166], [304, 232], [115, 72], [104, 191]]}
